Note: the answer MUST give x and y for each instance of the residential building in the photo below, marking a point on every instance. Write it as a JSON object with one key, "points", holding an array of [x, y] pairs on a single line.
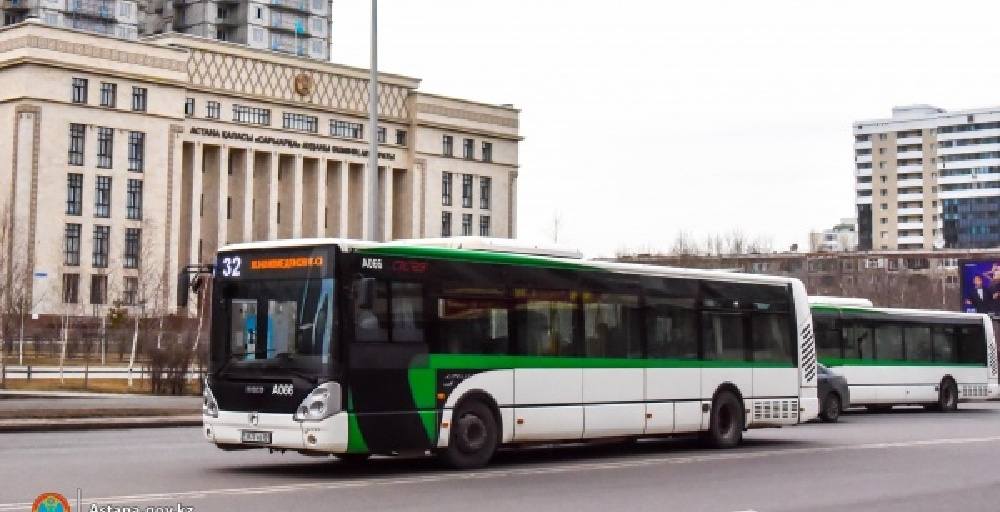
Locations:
{"points": [[841, 237], [928, 178]]}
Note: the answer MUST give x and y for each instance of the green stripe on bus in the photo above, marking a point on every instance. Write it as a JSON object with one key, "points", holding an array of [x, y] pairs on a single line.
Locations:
{"points": [[836, 361], [475, 256], [355, 439], [493, 362], [423, 387]]}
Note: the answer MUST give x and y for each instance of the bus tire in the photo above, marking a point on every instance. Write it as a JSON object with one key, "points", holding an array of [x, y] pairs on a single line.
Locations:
{"points": [[352, 459], [725, 425], [948, 396], [474, 436], [830, 408]]}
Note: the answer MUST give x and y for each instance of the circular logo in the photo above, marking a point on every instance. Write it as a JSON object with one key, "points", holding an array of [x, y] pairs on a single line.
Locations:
{"points": [[303, 84], [50, 502]]}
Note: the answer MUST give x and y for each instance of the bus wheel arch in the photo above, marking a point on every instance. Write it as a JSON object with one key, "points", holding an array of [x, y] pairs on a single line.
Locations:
{"points": [[475, 431], [727, 417]]}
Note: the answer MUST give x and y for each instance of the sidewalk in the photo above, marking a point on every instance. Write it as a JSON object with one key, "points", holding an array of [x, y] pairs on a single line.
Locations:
{"points": [[45, 411]]}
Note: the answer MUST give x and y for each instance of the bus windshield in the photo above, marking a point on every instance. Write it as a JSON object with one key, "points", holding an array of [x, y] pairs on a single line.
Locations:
{"points": [[287, 323]]}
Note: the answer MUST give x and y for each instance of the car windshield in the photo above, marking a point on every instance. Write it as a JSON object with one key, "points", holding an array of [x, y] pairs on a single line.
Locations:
{"points": [[287, 323]]}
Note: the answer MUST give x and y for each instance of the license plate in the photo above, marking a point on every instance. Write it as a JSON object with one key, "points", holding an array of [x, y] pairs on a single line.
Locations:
{"points": [[256, 437]]}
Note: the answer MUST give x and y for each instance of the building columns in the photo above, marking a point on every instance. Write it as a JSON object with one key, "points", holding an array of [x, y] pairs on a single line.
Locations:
{"points": [[272, 197], [223, 203], [248, 195], [322, 169], [387, 184], [297, 204], [345, 189], [197, 169]]}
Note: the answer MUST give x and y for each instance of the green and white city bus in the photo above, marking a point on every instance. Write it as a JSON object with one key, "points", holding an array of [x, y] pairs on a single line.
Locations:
{"points": [[906, 356], [460, 346]]}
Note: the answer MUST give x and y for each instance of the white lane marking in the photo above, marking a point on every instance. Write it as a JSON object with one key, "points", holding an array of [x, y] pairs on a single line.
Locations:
{"points": [[515, 472]]}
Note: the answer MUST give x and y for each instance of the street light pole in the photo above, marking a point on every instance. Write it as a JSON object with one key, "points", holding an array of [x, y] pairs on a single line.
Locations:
{"points": [[372, 232]]}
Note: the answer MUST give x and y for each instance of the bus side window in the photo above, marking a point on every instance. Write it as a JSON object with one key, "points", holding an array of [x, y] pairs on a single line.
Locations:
{"points": [[829, 342], [474, 324], [858, 341], [545, 322], [672, 329], [611, 325], [372, 324], [889, 342], [918, 343], [722, 336], [772, 341], [943, 344], [971, 345], [407, 310]]}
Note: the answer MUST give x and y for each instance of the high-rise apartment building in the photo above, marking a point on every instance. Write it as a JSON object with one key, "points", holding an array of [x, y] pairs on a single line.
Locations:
{"points": [[927, 178], [119, 18], [297, 27]]}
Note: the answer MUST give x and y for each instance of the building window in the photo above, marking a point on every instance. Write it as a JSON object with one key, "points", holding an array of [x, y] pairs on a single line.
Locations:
{"points": [[189, 107], [466, 191], [484, 225], [139, 99], [98, 289], [485, 186], [445, 223], [102, 235], [466, 224], [71, 245], [105, 145], [467, 152], [109, 94], [71, 288], [300, 122], [133, 200], [214, 110], [74, 194], [136, 151], [448, 146], [345, 129], [79, 90], [130, 293], [102, 199], [77, 138], [133, 237], [400, 137], [487, 151], [446, 189], [252, 115], [381, 134]]}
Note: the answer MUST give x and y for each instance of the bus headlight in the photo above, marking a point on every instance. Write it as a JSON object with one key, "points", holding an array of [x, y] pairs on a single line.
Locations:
{"points": [[320, 404], [209, 407]]}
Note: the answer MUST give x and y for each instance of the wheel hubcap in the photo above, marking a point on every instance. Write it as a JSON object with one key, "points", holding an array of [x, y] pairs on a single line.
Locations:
{"points": [[471, 433]]}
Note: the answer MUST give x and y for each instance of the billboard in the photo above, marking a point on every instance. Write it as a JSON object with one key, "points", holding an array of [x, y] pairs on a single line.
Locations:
{"points": [[981, 287]]}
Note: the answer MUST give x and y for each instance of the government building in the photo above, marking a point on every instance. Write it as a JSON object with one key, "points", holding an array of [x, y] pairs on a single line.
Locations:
{"points": [[927, 178], [124, 161]]}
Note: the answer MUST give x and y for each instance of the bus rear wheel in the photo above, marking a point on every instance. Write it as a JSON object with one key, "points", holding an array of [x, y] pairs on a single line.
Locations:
{"points": [[830, 409], [474, 436], [948, 396], [726, 422]]}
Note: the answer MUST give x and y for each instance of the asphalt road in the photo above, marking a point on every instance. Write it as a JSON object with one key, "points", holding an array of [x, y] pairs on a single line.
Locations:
{"points": [[906, 460]]}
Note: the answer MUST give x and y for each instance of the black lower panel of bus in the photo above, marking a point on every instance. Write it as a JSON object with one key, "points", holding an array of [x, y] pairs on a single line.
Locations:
{"points": [[386, 413]]}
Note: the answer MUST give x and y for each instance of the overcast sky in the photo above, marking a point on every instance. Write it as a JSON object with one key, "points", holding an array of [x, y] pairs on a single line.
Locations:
{"points": [[645, 118]]}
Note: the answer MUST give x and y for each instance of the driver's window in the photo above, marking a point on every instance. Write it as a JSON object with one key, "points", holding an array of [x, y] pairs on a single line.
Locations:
{"points": [[282, 320], [372, 324]]}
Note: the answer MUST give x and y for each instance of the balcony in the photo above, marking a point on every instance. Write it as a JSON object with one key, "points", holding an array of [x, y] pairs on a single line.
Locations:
{"points": [[863, 145], [14, 4], [863, 186], [906, 155], [910, 225], [910, 211], [289, 23], [910, 168], [104, 10], [909, 140], [297, 5], [910, 240], [861, 159], [917, 182], [910, 197]]}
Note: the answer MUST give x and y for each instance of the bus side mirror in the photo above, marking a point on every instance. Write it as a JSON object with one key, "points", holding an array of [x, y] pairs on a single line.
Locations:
{"points": [[366, 293]]}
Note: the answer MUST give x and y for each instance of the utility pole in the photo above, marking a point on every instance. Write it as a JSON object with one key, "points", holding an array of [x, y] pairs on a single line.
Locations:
{"points": [[371, 228]]}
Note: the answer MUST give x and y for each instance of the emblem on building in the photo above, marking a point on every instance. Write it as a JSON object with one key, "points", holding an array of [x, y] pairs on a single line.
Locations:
{"points": [[303, 84]]}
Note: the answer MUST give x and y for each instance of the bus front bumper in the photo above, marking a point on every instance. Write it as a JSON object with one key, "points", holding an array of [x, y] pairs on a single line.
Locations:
{"points": [[227, 431]]}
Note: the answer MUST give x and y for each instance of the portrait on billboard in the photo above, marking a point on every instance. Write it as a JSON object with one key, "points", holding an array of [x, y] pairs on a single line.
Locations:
{"points": [[981, 287]]}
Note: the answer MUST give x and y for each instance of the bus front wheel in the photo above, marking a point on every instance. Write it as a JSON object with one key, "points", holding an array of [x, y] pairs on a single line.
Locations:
{"points": [[726, 422], [474, 436]]}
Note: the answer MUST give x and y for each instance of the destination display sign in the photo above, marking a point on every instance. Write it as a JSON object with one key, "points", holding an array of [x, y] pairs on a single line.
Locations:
{"points": [[276, 263]]}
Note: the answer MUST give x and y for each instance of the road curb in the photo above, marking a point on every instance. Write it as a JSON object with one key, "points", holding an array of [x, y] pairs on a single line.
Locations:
{"points": [[50, 425]]}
